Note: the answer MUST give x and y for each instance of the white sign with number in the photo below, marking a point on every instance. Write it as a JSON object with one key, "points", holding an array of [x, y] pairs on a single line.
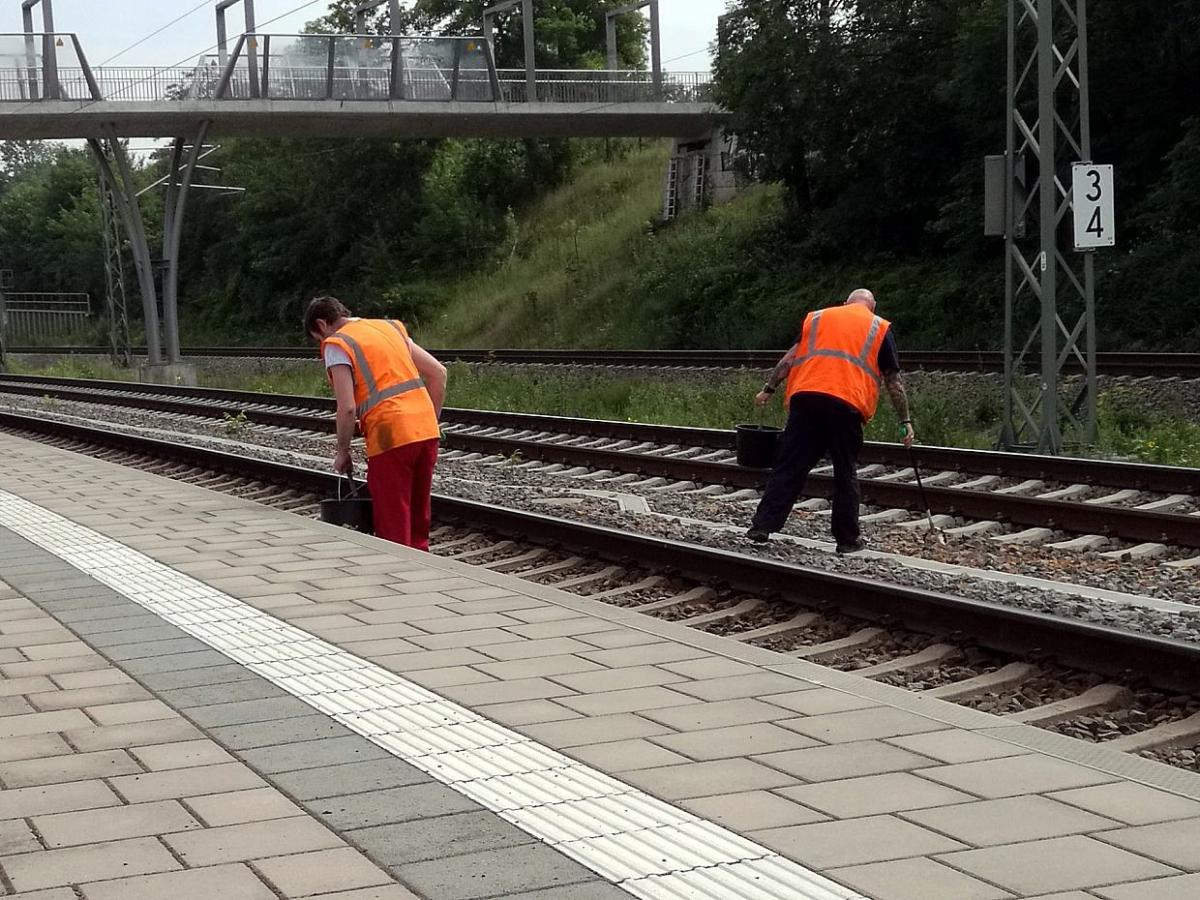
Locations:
{"points": [[1095, 211]]}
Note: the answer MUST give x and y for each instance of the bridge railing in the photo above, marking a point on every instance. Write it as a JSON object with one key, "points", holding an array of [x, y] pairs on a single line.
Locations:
{"points": [[356, 67], [607, 86], [44, 66], [326, 67]]}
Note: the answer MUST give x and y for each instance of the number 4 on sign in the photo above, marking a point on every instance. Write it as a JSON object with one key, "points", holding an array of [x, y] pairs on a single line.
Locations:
{"points": [[1093, 203]]}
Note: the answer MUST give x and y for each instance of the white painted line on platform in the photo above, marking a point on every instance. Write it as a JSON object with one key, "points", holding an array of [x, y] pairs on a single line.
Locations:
{"points": [[647, 847]]}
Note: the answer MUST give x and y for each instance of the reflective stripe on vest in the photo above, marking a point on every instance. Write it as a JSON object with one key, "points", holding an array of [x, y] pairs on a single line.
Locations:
{"points": [[862, 361], [374, 395]]}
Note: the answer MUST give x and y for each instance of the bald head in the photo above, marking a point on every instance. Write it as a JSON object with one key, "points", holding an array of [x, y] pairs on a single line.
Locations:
{"points": [[863, 297]]}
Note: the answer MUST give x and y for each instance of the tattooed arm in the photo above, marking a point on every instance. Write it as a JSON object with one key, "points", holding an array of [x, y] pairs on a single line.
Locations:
{"points": [[894, 385], [778, 377]]}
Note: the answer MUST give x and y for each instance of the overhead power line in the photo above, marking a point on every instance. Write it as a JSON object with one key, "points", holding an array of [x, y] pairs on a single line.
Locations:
{"points": [[199, 6], [190, 56], [686, 55]]}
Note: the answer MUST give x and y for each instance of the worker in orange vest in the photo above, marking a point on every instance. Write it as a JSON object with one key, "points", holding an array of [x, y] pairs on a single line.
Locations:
{"points": [[833, 376], [393, 390]]}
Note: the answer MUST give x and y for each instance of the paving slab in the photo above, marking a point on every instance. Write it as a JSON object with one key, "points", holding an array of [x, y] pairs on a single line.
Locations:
{"points": [[1133, 804], [390, 805], [1058, 864], [873, 795], [320, 872], [316, 754], [233, 882], [78, 865], [96, 826], [850, 842], [237, 807], [1009, 821], [495, 873], [733, 741], [62, 769], [1174, 843], [1179, 887], [917, 879], [440, 837], [349, 778], [188, 782], [747, 811], [1011, 776], [180, 755]]}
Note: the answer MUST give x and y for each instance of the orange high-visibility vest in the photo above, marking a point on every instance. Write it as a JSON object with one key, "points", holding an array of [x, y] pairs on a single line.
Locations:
{"points": [[392, 404], [838, 355]]}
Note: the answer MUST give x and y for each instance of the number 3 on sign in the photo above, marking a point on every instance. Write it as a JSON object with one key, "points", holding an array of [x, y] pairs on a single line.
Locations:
{"points": [[1095, 211]]}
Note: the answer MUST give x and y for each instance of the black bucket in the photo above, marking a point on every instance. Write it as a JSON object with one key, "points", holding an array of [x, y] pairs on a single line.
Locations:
{"points": [[756, 445], [350, 512]]}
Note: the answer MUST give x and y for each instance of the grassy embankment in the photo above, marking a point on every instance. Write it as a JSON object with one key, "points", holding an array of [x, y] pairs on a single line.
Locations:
{"points": [[590, 269]]}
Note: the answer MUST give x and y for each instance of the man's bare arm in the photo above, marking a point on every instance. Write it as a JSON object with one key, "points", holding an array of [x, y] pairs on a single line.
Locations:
{"points": [[433, 372], [347, 415], [899, 397], [897, 394], [782, 368]]}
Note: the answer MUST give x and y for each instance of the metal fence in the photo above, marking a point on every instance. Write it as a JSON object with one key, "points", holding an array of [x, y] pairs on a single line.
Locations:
{"points": [[607, 86], [48, 318], [34, 66], [333, 67]]}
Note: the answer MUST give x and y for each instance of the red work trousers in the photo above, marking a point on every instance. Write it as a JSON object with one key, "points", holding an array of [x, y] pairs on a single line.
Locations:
{"points": [[400, 482]]}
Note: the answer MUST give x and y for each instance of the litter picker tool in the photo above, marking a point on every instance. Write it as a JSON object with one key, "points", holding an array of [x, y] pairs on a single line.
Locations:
{"points": [[933, 529]]}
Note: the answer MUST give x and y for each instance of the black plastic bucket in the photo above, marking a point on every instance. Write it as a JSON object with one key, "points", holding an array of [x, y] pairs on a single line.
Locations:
{"points": [[350, 512], [756, 445]]}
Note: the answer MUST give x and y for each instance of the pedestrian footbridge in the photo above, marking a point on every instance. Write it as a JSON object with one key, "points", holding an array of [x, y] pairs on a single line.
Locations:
{"points": [[273, 85]]}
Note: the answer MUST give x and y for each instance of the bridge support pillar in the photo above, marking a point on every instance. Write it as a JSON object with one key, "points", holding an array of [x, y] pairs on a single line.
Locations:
{"points": [[699, 173], [162, 330]]}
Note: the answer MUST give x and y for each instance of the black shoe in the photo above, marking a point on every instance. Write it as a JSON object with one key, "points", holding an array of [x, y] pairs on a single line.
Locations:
{"points": [[758, 535], [857, 546]]}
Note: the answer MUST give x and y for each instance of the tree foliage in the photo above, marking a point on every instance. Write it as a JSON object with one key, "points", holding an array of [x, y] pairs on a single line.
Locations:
{"points": [[875, 115], [570, 33]]}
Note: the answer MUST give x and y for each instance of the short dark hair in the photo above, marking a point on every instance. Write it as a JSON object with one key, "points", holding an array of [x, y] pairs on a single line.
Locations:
{"points": [[327, 309]]}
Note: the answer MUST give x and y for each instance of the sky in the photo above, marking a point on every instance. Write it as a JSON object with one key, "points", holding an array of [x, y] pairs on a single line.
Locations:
{"points": [[107, 27]]}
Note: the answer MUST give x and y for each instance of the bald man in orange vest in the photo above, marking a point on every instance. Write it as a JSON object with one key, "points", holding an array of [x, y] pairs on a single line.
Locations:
{"points": [[833, 376], [393, 390]]}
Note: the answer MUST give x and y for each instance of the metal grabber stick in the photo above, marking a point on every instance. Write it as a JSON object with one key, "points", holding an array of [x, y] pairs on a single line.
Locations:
{"points": [[933, 529]]}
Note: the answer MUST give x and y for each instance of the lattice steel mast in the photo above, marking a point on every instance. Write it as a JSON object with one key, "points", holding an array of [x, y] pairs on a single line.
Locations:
{"points": [[120, 347], [1050, 295]]}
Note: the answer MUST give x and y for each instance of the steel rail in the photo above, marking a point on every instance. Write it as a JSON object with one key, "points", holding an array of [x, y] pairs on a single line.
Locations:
{"points": [[1142, 526], [1167, 663], [1161, 365], [1143, 476], [1125, 523]]}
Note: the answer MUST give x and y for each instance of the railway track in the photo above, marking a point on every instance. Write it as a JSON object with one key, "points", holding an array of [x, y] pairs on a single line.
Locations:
{"points": [[1162, 365], [1132, 692], [1036, 498]]}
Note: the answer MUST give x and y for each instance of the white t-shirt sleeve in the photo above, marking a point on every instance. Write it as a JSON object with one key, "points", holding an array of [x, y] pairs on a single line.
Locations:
{"points": [[336, 356]]}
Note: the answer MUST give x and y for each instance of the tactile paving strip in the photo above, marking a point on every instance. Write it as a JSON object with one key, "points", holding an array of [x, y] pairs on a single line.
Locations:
{"points": [[647, 847]]}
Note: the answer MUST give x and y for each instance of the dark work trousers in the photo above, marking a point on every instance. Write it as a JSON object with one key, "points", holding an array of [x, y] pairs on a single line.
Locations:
{"points": [[817, 425]]}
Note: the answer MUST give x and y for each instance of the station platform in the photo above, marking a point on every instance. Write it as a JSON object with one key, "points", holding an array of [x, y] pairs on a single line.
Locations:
{"points": [[201, 697]]}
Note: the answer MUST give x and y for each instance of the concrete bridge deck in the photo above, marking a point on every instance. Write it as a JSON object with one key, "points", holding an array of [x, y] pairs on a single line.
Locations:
{"points": [[65, 119]]}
